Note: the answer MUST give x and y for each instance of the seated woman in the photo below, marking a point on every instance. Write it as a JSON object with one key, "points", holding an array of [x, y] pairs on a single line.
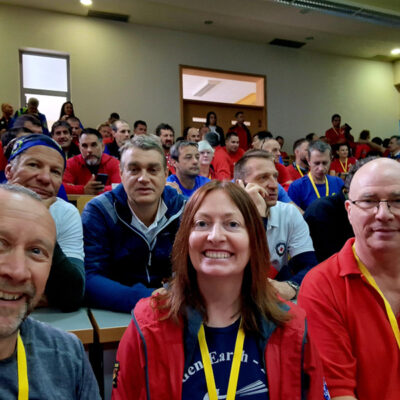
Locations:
{"points": [[340, 166], [206, 157], [219, 330]]}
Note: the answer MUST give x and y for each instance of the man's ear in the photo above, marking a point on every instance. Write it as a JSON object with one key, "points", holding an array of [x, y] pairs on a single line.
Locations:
{"points": [[8, 172]]}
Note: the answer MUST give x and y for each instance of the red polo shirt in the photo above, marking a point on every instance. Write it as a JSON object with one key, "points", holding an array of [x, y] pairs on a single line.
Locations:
{"points": [[348, 321]]}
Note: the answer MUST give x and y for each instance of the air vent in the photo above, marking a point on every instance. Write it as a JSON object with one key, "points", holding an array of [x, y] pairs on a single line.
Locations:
{"points": [[109, 16], [287, 43], [345, 10]]}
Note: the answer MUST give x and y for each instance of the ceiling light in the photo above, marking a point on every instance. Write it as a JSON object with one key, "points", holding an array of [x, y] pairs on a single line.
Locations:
{"points": [[86, 2], [395, 52]]}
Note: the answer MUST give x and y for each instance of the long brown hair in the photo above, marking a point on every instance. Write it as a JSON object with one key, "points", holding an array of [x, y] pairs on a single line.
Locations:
{"points": [[257, 294]]}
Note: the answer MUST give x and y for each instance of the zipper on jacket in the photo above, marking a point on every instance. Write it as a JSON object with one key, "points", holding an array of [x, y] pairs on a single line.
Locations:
{"points": [[148, 266]]}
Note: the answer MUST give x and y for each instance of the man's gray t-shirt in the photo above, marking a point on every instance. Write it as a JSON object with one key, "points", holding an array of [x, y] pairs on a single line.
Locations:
{"points": [[57, 366]]}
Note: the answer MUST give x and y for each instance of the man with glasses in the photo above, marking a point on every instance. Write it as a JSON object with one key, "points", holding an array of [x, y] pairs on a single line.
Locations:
{"points": [[352, 299]]}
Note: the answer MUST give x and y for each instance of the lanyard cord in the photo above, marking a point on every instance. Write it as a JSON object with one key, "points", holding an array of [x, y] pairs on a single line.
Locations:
{"points": [[344, 168], [370, 279], [298, 169], [234, 375], [315, 188], [23, 386]]}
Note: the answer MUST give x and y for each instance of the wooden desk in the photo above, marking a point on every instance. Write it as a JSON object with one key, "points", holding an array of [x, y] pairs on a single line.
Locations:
{"points": [[80, 200], [76, 322], [109, 325]]}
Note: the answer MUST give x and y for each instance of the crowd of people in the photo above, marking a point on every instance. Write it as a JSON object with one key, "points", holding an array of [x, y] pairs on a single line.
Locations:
{"points": [[210, 238]]}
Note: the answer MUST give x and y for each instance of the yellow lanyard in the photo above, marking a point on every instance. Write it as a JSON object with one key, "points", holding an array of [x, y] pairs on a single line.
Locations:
{"points": [[23, 386], [234, 375], [315, 188], [389, 311], [345, 167], [298, 169]]}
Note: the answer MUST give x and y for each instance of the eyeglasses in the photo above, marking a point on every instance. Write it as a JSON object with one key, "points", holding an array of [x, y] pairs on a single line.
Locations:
{"points": [[393, 205]]}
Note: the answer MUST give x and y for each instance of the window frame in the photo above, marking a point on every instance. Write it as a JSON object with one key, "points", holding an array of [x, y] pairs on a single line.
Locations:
{"points": [[45, 92]]}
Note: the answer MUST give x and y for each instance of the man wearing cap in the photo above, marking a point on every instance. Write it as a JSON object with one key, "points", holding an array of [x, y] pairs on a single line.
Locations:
{"points": [[36, 360], [352, 299], [32, 109], [37, 163]]}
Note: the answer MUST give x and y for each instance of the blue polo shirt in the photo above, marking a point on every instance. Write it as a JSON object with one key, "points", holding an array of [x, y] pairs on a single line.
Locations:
{"points": [[199, 181], [303, 194]]}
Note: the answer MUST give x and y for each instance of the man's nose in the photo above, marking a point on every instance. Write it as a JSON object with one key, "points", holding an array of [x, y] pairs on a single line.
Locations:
{"points": [[14, 266]]}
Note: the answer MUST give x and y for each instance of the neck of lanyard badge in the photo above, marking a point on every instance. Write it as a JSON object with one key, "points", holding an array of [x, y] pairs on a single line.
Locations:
{"points": [[208, 371], [315, 188], [23, 385], [370, 279]]}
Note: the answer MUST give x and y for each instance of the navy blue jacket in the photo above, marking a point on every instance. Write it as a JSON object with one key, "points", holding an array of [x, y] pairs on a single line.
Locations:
{"points": [[121, 266]]}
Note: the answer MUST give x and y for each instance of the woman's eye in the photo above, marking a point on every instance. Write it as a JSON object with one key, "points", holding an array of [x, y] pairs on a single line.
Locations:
{"points": [[200, 224], [233, 224]]}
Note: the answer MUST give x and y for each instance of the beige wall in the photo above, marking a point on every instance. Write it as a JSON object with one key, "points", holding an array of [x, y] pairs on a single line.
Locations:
{"points": [[134, 70]]}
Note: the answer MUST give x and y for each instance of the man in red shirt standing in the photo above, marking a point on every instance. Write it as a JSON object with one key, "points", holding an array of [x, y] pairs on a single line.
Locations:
{"points": [[235, 153], [82, 174], [335, 134], [352, 299], [242, 131]]}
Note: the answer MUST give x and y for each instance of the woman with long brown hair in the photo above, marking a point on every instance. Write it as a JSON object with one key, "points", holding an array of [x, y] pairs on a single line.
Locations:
{"points": [[219, 331]]}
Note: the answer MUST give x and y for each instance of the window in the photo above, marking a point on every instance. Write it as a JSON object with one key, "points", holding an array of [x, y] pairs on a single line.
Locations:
{"points": [[46, 77]]}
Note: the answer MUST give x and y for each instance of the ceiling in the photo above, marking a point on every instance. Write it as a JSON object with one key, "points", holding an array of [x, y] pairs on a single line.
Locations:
{"points": [[260, 21]]}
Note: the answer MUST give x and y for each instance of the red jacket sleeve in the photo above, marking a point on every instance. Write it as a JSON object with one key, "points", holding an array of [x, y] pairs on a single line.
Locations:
{"points": [[129, 381], [284, 177]]}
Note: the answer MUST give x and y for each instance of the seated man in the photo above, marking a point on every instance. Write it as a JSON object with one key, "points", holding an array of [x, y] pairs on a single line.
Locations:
{"points": [[38, 162], [193, 135], [352, 299], [221, 161], [273, 147], [122, 134], [166, 134], [81, 174], [186, 158], [394, 147], [76, 128], [287, 232], [28, 121], [32, 109], [259, 138], [232, 149], [299, 167], [129, 231], [317, 183], [61, 132], [140, 127], [34, 357]]}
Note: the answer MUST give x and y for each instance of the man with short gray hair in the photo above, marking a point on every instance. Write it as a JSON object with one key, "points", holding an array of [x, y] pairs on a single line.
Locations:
{"points": [[129, 231], [317, 183]]}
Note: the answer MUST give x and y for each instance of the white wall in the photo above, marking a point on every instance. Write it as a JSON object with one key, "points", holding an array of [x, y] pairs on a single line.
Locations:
{"points": [[134, 70]]}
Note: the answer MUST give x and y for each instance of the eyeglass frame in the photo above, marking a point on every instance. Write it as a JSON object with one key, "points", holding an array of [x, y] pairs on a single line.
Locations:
{"points": [[377, 204]]}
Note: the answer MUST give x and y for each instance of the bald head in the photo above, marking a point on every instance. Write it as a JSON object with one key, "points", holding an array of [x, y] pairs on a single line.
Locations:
{"points": [[380, 172], [372, 209]]}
